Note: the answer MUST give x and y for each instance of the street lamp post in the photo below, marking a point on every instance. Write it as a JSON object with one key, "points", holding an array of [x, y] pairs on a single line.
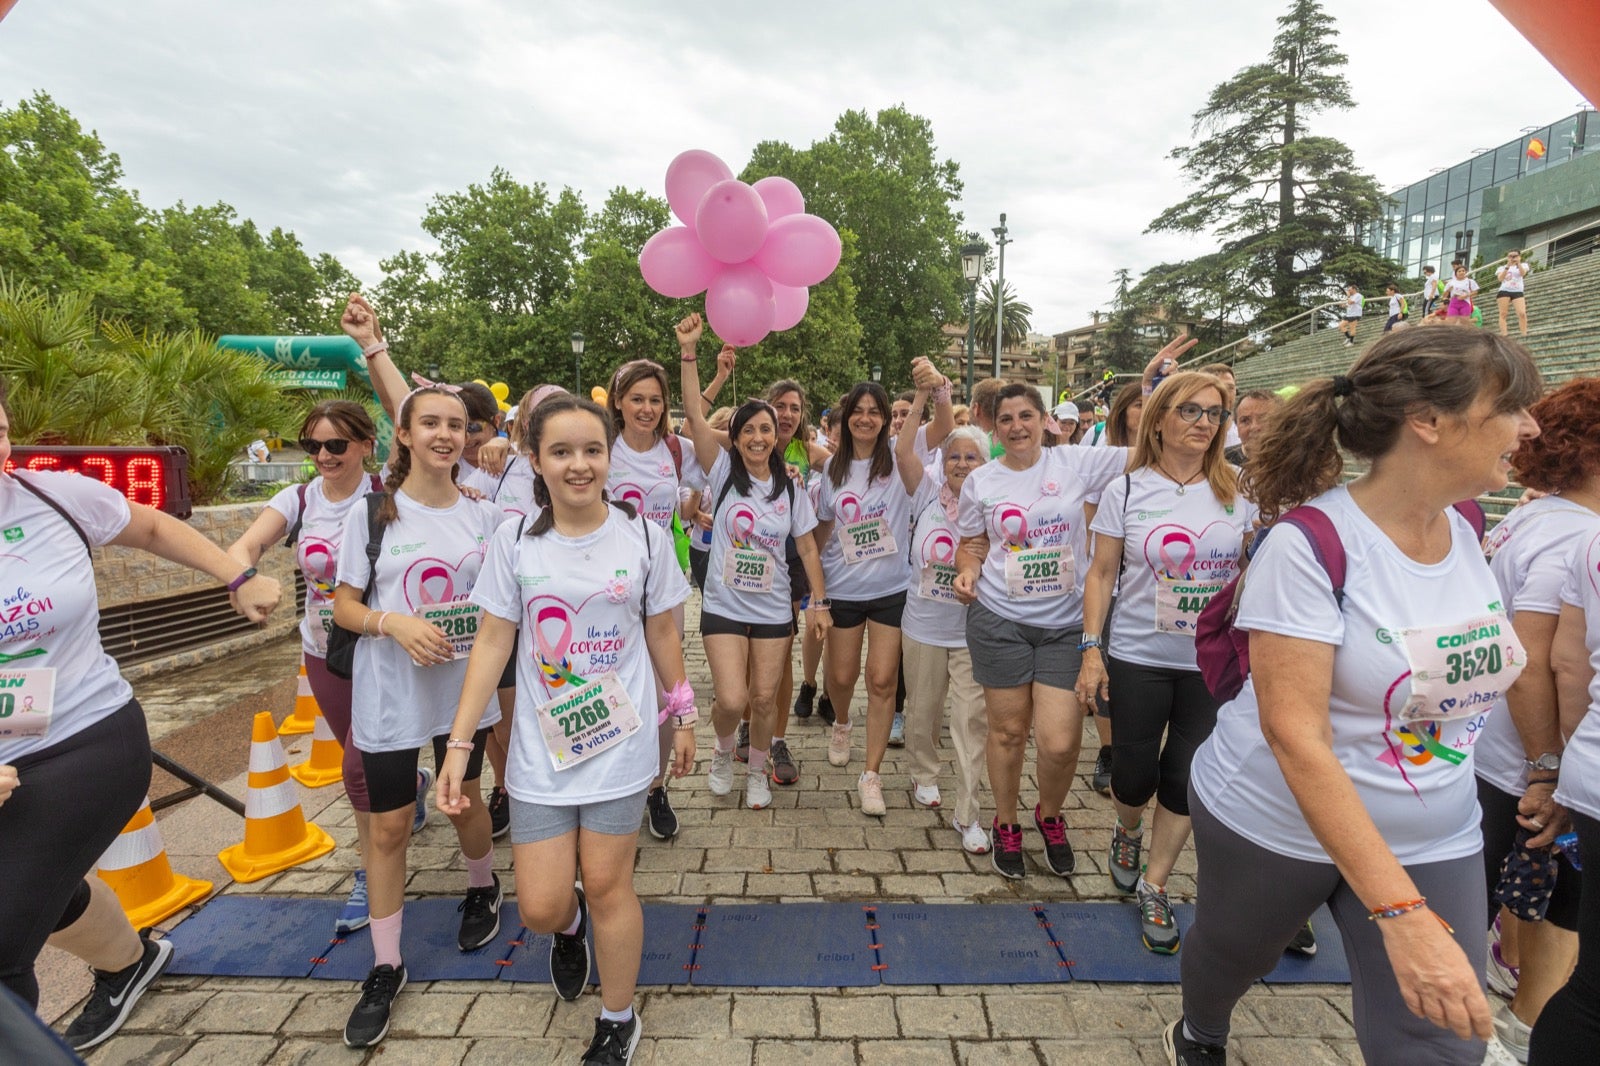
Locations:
{"points": [[972, 271], [1001, 239], [877, 373], [577, 358]]}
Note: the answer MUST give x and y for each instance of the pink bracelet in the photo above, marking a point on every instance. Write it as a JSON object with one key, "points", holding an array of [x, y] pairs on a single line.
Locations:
{"points": [[374, 348], [460, 745], [680, 698], [381, 616]]}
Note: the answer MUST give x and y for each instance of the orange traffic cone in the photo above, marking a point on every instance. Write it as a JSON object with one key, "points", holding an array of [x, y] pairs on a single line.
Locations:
{"points": [[276, 833], [326, 764], [306, 711], [136, 868]]}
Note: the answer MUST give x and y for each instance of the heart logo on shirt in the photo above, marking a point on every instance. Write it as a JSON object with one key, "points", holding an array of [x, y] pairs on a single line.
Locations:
{"points": [[318, 563], [429, 581], [1172, 550]]}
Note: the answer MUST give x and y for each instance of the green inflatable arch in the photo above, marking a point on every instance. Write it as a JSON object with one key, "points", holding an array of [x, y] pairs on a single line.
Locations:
{"points": [[309, 355]]}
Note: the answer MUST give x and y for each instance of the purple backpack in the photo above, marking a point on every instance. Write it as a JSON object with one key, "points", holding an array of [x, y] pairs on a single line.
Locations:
{"points": [[1222, 650]]}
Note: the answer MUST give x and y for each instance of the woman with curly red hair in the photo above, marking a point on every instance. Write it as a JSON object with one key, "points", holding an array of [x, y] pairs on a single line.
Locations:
{"points": [[1518, 754]]}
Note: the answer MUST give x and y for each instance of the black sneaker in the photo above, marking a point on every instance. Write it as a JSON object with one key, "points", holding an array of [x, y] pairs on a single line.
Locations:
{"points": [[741, 747], [569, 956], [1304, 942], [784, 770], [1181, 1051], [825, 709], [1102, 772], [1057, 851], [499, 812], [115, 994], [663, 820], [806, 701], [369, 1022], [480, 916], [1006, 855], [613, 1042]]}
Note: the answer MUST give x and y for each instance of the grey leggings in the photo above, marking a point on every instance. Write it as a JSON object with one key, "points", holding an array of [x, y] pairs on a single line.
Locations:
{"points": [[1249, 903]]}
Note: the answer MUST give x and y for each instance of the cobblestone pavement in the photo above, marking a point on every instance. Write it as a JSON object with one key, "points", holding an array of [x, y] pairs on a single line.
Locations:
{"points": [[811, 844]]}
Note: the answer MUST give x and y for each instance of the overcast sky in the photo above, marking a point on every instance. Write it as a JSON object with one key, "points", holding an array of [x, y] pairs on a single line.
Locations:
{"points": [[339, 119]]}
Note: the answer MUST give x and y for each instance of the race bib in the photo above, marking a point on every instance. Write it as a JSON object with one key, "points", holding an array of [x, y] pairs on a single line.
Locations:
{"points": [[866, 540], [747, 570], [458, 620], [1037, 573], [26, 699], [591, 719], [938, 583], [1459, 670], [320, 620], [1178, 606]]}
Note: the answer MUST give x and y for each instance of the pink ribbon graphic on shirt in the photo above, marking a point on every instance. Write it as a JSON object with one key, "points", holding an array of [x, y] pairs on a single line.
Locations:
{"points": [[436, 574], [849, 508], [554, 664], [1177, 568], [629, 493], [741, 525], [1018, 539], [317, 563], [941, 548]]}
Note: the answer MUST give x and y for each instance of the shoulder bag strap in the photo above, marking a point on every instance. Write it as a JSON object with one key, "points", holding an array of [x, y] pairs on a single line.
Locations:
{"points": [[58, 509]]}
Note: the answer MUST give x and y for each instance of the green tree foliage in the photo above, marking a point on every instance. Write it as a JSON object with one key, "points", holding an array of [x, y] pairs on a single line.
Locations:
{"points": [[620, 317], [1015, 316], [1283, 202]]}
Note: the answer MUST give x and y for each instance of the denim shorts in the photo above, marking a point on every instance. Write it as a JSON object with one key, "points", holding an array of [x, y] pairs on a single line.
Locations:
{"points": [[533, 822]]}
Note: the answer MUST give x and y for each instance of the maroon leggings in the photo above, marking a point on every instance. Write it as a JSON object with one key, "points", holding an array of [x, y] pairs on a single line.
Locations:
{"points": [[333, 696]]}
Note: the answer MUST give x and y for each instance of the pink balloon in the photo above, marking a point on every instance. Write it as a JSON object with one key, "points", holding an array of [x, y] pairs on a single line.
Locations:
{"points": [[799, 250], [789, 304], [739, 305], [781, 196], [688, 178], [731, 221], [674, 264]]}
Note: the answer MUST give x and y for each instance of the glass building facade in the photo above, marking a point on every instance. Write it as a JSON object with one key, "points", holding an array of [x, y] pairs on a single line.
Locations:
{"points": [[1437, 219]]}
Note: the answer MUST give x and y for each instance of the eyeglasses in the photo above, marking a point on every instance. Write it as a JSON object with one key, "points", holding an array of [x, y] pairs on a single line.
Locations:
{"points": [[336, 446], [1191, 412], [472, 427]]}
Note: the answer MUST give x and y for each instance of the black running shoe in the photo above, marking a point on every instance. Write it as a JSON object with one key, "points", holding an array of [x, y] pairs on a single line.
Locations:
{"points": [[369, 1022], [499, 812], [569, 956], [825, 709], [1181, 1051], [613, 1042], [1007, 852], [1057, 850], [1304, 942], [806, 701], [741, 747], [1102, 772], [480, 916], [663, 819], [115, 994]]}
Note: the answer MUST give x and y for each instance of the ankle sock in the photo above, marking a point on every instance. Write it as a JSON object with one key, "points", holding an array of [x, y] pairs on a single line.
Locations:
{"points": [[577, 918], [725, 744], [480, 872], [757, 761], [386, 939], [775, 740], [616, 1015]]}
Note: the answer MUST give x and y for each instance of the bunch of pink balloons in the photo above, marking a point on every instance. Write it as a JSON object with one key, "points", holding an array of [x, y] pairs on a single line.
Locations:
{"points": [[751, 249]]}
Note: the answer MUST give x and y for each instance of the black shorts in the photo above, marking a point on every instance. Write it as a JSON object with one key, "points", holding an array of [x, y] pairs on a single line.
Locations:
{"points": [[713, 625], [698, 562], [799, 583], [1507, 294], [508, 676], [886, 610], [392, 775]]}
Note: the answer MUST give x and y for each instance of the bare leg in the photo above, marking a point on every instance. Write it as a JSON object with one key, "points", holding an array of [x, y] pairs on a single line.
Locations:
{"points": [[1058, 737], [500, 734], [883, 675], [767, 659], [386, 861], [1504, 304], [1546, 956], [101, 936], [614, 908], [1521, 306], [1010, 722], [728, 657], [1168, 832], [843, 668]]}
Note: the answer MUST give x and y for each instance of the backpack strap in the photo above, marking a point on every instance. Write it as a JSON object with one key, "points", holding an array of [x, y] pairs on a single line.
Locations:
{"points": [[299, 515], [644, 593], [1472, 511], [58, 509], [503, 472], [1325, 544], [675, 446], [374, 541]]}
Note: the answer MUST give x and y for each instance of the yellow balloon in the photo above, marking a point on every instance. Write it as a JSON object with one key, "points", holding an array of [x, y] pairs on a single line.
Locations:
{"points": [[501, 390], [504, 407], [480, 381], [598, 395]]}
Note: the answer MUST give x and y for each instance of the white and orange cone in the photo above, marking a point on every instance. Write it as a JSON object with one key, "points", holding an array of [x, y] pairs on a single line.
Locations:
{"points": [[326, 762], [306, 711], [136, 868], [276, 833]]}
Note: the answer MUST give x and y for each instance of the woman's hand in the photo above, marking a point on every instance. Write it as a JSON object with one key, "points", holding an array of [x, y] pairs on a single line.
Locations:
{"points": [[1092, 678], [726, 360], [683, 747], [702, 519], [965, 587], [360, 321], [8, 782], [257, 598], [820, 619], [471, 493], [690, 328], [448, 798], [1538, 813], [423, 641], [924, 375], [1436, 980], [492, 456]]}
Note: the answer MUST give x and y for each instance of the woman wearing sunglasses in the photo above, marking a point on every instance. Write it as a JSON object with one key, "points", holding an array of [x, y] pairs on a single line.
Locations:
{"points": [[1173, 527]]}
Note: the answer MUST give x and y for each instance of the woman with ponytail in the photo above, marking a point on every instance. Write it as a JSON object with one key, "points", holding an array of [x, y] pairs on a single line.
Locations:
{"points": [[1342, 773]]}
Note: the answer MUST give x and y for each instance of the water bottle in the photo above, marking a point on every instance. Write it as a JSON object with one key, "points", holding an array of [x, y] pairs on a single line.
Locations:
{"points": [[1568, 842]]}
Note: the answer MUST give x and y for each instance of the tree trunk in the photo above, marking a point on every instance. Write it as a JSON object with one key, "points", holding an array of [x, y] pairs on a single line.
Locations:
{"points": [[1283, 287]]}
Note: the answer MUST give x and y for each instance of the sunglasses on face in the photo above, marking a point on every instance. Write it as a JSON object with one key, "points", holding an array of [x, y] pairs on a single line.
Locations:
{"points": [[335, 446], [1191, 412], [472, 427]]}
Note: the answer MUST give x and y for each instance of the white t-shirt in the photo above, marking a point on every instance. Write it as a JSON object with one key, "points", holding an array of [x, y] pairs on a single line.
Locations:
{"points": [[316, 550], [49, 612], [1530, 555], [1394, 305], [1430, 288], [1035, 508], [860, 500], [512, 491], [1180, 549], [476, 478], [1511, 278], [649, 480], [430, 555], [1579, 788], [763, 525], [936, 619], [1353, 305], [559, 591], [1424, 803], [1460, 288]]}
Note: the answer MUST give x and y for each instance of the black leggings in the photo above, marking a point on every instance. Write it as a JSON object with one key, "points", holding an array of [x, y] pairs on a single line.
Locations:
{"points": [[1500, 835], [72, 801], [1147, 701], [1568, 1030], [392, 775]]}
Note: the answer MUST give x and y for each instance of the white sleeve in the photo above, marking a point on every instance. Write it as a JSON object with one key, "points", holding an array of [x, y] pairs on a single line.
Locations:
{"points": [[1542, 585], [496, 589], [1097, 467], [101, 510], [1108, 519], [665, 586], [287, 503], [1287, 591], [969, 511], [353, 569], [804, 519]]}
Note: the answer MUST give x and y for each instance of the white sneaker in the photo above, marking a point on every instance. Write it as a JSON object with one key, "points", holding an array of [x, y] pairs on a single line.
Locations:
{"points": [[1502, 976], [757, 794], [839, 744], [974, 839], [1497, 1054], [1510, 1034], [926, 795], [719, 779], [871, 789]]}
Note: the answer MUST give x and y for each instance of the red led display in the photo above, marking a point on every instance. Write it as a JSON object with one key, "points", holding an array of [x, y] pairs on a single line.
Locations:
{"points": [[155, 477]]}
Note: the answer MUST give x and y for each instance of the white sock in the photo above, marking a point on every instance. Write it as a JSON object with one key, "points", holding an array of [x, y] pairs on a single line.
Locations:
{"points": [[776, 739], [616, 1015], [1145, 886]]}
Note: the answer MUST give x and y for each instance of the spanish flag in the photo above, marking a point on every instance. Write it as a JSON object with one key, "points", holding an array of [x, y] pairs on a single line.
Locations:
{"points": [[1536, 148]]}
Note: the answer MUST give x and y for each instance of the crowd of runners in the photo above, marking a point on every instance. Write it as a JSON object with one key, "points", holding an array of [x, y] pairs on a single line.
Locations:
{"points": [[1377, 709]]}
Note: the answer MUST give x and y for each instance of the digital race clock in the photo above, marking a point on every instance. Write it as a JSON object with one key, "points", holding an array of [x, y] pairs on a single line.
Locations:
{"points": [[155, 477]]}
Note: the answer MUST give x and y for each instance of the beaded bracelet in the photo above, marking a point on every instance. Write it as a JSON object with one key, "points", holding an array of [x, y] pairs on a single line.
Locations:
{"points": [[1395, 910]]}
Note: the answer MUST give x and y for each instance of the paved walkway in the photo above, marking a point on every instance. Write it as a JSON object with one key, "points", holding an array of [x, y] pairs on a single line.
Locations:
{"points": [[812, 844]]}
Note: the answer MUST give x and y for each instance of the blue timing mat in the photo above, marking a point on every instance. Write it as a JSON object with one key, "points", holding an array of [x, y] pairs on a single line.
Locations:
{"points": [[255, 936], [428, 945], [669, 941], [1101, 942], [952, 944], [813, 945]]}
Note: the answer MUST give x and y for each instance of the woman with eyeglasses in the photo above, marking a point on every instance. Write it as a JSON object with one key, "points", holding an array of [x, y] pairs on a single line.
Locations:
{"points": [[1174, 528], [747, 617]]}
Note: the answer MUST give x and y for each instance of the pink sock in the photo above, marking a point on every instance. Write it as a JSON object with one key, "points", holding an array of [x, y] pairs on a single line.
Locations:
{"points": [[758, 761], [386, 939], [480, 872], [725, 744]]}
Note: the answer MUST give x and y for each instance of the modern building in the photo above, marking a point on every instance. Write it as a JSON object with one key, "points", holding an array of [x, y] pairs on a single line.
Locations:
{"points": [[1525, 192]]}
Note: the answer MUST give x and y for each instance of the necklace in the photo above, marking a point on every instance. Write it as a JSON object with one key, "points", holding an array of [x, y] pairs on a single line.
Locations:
{"points": [[1183, 486]]}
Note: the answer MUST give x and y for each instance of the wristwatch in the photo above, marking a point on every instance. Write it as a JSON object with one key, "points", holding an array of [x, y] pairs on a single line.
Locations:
{"points": [[1550, 760], [824, 604], [1087, 641]]}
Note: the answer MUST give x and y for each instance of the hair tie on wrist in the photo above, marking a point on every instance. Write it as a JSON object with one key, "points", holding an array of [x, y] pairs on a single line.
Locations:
{"points": [[374, 348], [1342, 386]]}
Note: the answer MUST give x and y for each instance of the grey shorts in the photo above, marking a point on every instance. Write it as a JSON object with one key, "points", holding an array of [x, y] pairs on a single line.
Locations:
{"points": [[1006, 654], [533, 822]]}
